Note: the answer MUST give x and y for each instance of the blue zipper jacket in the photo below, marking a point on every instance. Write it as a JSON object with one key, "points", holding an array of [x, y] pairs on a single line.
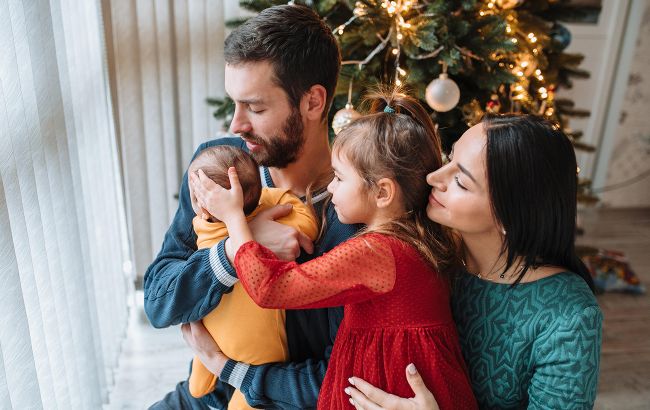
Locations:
{"points": [[184, 284]]}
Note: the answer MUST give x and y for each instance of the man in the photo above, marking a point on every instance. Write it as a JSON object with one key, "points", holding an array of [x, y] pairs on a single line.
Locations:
{"points": [[281, 71]]}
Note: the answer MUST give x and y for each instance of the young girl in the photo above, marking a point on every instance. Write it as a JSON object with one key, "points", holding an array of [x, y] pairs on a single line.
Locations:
{"points": [[388, 277]]}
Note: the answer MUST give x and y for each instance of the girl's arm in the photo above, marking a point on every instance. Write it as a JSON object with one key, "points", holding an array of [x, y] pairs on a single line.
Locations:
{"points": [[353, 271], [356, 270]]}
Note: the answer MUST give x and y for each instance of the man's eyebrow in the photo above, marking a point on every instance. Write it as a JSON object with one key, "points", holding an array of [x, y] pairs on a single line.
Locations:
{"points": [[466, 172], [251, 101]]}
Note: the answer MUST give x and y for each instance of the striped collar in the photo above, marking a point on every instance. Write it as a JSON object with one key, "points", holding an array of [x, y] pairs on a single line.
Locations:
{"points": [[267, 182]]}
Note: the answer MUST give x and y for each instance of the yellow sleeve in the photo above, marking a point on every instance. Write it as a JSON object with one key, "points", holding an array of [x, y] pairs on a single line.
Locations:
{"points": [[302, 218]]}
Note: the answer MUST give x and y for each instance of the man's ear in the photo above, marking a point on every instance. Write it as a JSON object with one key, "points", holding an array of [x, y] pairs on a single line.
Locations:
{"points": [[385, 192], [313, 103]]}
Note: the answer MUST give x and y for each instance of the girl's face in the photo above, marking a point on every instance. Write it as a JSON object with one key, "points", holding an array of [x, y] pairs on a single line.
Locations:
{"points": [[460, 196], [350, 195]]}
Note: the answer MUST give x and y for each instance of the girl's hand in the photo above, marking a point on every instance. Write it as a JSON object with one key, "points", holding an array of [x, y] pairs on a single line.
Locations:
{"points": [[364, 395], [204, 346], [223, 204]]}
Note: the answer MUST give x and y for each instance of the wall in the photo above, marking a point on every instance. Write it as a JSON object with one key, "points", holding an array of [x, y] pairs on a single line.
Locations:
{"points": [[630, 155]]}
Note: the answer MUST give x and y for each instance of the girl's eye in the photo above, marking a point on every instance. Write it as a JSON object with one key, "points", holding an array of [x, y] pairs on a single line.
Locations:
{"points": [[458, 183]]}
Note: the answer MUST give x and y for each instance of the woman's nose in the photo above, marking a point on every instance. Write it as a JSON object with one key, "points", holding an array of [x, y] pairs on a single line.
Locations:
{"points": [[435, 180]]}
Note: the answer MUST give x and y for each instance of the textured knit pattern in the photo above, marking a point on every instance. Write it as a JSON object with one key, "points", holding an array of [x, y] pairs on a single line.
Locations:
{"points": [[244, 331], [396, 312], [535, 345]]}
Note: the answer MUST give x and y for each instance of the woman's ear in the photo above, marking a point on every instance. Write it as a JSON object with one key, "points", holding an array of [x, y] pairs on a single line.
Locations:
{"points": [[385, 193]]}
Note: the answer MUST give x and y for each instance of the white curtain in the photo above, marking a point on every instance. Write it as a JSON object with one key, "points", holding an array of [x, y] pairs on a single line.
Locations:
{"points": [[165, 58], [65, 280]]}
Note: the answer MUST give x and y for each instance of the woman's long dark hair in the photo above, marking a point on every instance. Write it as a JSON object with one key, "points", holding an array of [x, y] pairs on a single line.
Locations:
{"points": [[532, 174]]}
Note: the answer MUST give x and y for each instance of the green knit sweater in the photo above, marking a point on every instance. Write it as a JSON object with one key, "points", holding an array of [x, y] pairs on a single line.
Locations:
{"points": [[534, 346]]}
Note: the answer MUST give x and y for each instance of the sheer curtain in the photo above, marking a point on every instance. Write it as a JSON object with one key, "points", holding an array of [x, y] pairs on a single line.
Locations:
{"points": [[165, 58], [65, 281]]}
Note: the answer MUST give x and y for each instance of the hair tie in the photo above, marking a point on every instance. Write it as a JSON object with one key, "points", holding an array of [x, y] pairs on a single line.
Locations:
{"points": [[389, 109]]}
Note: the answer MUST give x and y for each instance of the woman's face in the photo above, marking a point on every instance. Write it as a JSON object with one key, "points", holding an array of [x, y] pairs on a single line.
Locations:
{"points": [[460, 196]]}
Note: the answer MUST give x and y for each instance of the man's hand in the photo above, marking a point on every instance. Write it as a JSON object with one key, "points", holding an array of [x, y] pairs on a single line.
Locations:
{"points": [[204, 346], [365, 396], [283, 240]]}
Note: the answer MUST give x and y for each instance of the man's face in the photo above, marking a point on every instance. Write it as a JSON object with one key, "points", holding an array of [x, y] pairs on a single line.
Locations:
{"points": [[271, 127]]}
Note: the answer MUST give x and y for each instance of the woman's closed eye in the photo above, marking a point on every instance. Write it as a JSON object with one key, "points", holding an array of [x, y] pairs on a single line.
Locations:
{"points": [[458, 183]]}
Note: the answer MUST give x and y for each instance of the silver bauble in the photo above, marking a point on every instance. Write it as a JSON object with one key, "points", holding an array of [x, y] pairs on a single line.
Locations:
{"points": [[344, 117], [442, 94]]}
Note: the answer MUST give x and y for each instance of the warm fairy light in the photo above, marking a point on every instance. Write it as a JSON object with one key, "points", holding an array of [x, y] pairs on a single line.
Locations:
{"points": [[535, 51], [406, 25], [514, 40], [341, 30], [524, 64], [538, 72], [481, 13], [544, 96], [508, 29], [531, 35], [540, 77], [400, 36], [490, 5], [542, 90], [398, 82], [395, 51], [401, 71], [512, 66], [520, 73], [578, 170], [519, 88], [549, 112]]}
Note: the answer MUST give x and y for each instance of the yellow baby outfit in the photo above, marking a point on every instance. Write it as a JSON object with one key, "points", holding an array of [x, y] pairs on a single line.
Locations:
{"points": [[244, 331]]}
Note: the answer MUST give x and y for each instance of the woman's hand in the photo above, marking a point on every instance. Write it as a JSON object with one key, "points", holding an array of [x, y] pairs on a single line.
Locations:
{"points": [[204, 346], [221, 203], [364, 395]]}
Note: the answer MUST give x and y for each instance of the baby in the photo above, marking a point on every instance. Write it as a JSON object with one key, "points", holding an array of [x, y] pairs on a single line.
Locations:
{"points": [[244, 331]]}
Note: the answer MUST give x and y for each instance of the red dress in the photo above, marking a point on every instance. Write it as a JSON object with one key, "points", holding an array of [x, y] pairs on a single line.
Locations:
{"points": [[396, 312]]}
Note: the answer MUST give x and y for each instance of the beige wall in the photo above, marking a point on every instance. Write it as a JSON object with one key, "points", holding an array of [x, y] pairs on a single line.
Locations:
{"points": [[630, 155]]}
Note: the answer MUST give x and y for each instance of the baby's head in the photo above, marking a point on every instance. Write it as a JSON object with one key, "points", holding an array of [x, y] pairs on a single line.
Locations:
{"points": [[215, 161]]}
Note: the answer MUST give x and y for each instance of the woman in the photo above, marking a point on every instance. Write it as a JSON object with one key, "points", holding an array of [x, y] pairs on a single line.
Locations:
{"points": [[529, 324]]}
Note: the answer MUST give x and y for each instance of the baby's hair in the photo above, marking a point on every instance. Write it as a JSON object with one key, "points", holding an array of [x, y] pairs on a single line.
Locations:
{"points": [[215, 161], [400, 142]]}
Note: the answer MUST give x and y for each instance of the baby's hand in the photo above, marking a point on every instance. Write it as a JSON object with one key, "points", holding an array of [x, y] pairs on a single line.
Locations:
{"points": [[221, 203]]}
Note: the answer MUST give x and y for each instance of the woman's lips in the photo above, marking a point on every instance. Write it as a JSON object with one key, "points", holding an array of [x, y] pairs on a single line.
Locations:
{"points": [[434, 201]]}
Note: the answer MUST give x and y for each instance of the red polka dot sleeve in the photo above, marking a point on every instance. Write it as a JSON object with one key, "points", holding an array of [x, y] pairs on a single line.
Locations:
{"points": [[356, 270]]}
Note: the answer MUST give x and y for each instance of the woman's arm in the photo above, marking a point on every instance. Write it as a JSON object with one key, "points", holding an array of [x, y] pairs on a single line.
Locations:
{"points": [[567, 364]]}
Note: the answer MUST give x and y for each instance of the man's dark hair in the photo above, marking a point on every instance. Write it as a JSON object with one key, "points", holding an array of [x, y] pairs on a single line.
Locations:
{"points": [[300, 47]]}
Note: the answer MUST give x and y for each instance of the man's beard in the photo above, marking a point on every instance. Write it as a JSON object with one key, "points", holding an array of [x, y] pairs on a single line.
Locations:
{"points": [[278, 152]]}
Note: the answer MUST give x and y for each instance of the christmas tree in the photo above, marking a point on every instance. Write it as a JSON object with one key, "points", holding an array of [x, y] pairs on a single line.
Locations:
{"points": [[462, 57]]}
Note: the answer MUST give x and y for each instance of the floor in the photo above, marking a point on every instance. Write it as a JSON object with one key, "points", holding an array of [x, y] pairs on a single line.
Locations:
{"points": [[154, 360]]}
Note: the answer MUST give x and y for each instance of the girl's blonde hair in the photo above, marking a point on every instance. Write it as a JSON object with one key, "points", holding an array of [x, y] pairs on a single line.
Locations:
{"points": [[398, 140]]}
